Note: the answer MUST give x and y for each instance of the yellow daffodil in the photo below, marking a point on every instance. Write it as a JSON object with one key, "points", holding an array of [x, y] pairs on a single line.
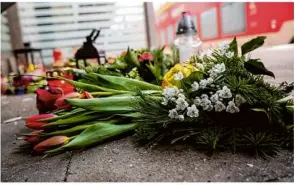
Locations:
{"points": [[185, 69]]}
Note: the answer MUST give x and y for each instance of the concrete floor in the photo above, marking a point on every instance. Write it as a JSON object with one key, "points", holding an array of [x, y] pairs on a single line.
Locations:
{"points": [[121, 160]]}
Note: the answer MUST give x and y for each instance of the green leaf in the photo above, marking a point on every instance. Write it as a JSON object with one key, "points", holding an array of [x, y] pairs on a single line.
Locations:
{"points": [[253, 44], [195, 76], [90, 115], [131, 58], [118, 64], [233, 46], [256, 67], [290, 108], [118, 103], [286, 99], [95, 134], [90, 87], [121, 83]]}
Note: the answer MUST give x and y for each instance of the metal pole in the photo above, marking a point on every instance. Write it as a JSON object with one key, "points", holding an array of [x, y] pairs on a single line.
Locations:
{"points": [[150, 24]]}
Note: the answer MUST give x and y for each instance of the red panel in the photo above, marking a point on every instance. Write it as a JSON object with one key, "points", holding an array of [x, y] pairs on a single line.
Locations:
{"points": [[259, 16]]}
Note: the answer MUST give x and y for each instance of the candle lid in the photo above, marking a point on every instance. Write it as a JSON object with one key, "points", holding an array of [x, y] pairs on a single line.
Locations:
{"points": [[186, 25]]}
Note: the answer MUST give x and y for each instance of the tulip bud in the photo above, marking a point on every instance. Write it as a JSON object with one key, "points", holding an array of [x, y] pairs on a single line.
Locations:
{"points": [[51, 143], [34, 123], [60, 103], [85, 95], [33, 137]]}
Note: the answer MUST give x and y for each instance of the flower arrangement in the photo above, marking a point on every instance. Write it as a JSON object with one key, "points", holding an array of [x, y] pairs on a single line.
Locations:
{"points": [[215, 101], [142, 64]]}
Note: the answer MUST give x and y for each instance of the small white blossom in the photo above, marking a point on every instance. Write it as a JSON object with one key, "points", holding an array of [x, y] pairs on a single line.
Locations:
{"points": [[178, 76], [229, 54], [204, 96], [200, 66], [192, 111], [170, 92], [203, 84], [173, 114], [181, 117], [209, 81], [219, 106], [221, 52], [214, 98], [239, 100], [232, 108], [209, 108], [223, 45], [206, 104], [181, 96], [195, 86], [225, 92], [197, 101], [216, 70], [181, 104], [212, 85], [173, 99]]}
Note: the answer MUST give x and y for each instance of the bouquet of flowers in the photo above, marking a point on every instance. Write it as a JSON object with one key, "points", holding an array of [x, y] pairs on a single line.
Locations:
{"points": [[215, 101], [142, 64]]}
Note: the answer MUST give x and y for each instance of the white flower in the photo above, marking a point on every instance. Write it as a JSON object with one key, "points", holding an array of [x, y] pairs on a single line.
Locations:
{"points": [[221, 52], [239, 100], [214, 98], [204, 96], [178, 76], [223, 45], [173, 99], [181, 117], [203, 84], [195, 86], [200, 66], [206, 104], [229, 54], [216, 69], [225, 92], [219, 106], [207, 53], [170, 92], [192, 111], [181, 104], [209, 81], [209, 108], [181, 96], [173, 114], [165, 101], [232, 108], [197, 101]]}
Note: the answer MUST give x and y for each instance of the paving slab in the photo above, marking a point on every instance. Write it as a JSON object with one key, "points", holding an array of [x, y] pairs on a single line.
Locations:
{"points": [[22, 167], [121, 160]]}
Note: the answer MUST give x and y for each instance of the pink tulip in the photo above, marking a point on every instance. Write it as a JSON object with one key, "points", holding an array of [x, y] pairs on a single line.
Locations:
{"points": [[60, 103], [33, 137], [51, 143], [85, 95]]}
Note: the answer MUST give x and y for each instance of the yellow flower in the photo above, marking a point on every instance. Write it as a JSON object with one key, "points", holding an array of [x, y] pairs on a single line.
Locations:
{"points": [[185, 69]]}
